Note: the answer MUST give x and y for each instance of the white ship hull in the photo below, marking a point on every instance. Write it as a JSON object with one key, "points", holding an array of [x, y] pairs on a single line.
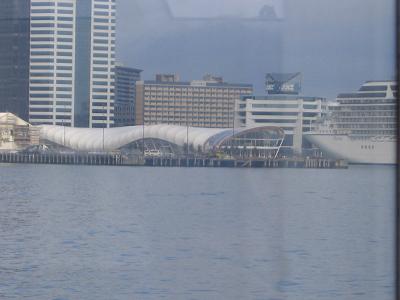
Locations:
{"points": [[356, 151]]}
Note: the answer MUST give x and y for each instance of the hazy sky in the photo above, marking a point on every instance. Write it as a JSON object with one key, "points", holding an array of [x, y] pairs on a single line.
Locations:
{"points": [[337, 44]]}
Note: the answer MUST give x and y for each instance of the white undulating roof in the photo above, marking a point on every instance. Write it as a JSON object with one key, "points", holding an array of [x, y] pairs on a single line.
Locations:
{"points": [[91, 139]]}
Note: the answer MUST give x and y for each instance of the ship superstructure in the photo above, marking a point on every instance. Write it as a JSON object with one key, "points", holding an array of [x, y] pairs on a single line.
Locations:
{"points": [[361, 126]]}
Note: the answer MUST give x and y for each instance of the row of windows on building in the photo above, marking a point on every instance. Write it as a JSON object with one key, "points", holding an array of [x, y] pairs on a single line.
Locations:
{"points": [[68, 103], [284, 106], [192, 95], [210, 124], [43, 82], [367, 113], [371, 120], [99, 13], [189, 117], [177, 104], [185, 113], [360, 107], [370, 126], [374, 132], [366, 101], [59, 88], [189, 89], [369, 147], [187, 102], [69, 61], [283, 114], [70, 32]]}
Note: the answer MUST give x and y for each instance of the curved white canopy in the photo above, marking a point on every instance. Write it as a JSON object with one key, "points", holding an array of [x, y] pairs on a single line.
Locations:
{"points": [[91, 139]]}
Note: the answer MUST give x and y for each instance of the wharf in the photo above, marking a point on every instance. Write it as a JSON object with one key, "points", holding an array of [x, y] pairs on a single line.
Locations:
{"points": [[55, 158], [118, 159], [306, 163]]}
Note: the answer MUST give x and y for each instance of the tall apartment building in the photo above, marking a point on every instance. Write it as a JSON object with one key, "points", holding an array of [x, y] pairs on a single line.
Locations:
{"points": [[200, 103], [72, 57], [14, 57], [125, 95], [283, 107]]}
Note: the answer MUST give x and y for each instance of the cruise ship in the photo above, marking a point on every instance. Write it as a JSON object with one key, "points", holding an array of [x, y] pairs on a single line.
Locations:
{"points": [[361, 126]]}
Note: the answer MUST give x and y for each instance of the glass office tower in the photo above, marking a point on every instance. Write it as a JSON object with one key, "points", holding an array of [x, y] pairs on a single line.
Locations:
{"points": [[14, 57], [125, 95]]}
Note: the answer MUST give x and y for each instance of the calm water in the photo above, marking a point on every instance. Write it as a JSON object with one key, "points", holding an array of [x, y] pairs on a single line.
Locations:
{"points": [[75, 232]]}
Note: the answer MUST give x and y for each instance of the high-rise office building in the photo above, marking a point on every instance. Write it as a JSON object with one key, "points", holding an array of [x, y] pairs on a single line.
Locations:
{"points": [[72, 62], [102, 59], [200, 103], [14, 57], [125, 95]]}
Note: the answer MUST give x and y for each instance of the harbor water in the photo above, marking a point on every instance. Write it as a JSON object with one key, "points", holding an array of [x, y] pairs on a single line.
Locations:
{"points": [[98, 232]]}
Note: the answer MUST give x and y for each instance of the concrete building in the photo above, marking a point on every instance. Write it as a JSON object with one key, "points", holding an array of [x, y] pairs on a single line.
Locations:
{"points": [[72, 62], [14, 57], [125, 95], [206, 103], [283, 107]]}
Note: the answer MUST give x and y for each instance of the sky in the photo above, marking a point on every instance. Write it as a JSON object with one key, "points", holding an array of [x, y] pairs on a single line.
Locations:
{"points": [[336, 44]]}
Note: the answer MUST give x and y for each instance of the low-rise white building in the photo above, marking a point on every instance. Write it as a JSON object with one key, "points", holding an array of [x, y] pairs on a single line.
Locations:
{"points": [[295, 114]]}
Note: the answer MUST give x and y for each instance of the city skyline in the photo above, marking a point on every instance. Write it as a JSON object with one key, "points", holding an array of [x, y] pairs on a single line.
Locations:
{"points": [[215, 51], [199, 149], [328, 43]]}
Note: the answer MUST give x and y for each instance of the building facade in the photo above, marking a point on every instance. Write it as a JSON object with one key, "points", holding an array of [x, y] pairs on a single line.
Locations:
{"points": [[14, 57], [284, 107], [72, 63], [293, 113], [125, 95], [206, 103], [16, 134]]}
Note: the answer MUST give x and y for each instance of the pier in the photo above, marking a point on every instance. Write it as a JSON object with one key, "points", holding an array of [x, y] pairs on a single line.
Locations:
{"points": [[62, 158], [308, 163], [118, 159]]}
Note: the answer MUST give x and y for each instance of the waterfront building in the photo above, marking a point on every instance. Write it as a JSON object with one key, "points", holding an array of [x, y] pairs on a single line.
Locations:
{"points": [[14, 57], [16, 134], [125, 95], [72, 63], [283, 107], [167, 140], [200, 103], [294, 114], [149, 140]]}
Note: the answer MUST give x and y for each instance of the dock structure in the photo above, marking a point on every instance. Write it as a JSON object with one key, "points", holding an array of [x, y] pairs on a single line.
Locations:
{"points": [[306, 163], [62, 158], [118, 159], [158, 145]]}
